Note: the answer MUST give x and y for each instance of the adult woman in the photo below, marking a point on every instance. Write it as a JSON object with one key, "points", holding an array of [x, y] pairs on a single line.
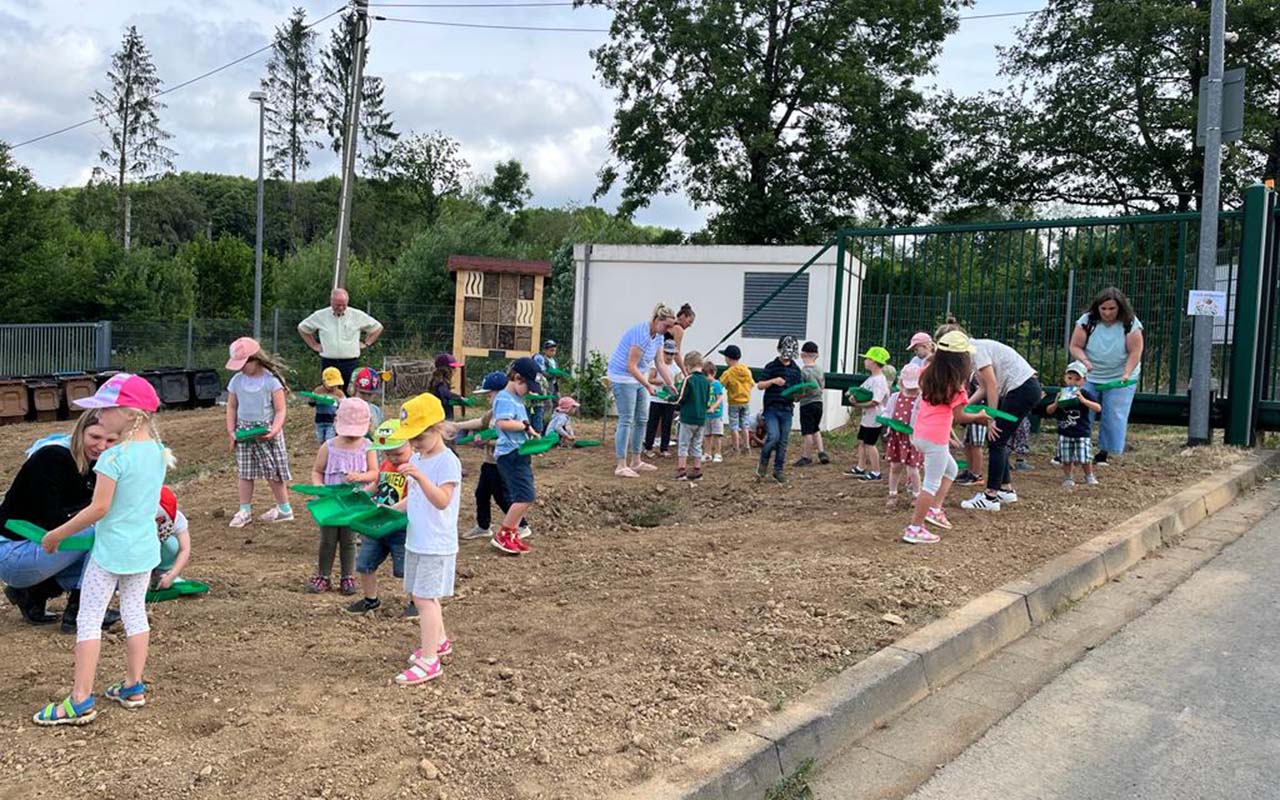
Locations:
{"points": [[684, 318], [629, 381], [52, 486], [1108, 339]]}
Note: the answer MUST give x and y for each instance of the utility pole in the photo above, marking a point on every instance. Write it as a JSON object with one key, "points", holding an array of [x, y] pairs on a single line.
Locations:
{"points": [[349, 142], [261, 99], [1207, 262]]}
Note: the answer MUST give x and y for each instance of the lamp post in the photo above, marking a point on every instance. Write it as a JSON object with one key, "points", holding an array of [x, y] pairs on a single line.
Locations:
{"points": [[261, 99]]}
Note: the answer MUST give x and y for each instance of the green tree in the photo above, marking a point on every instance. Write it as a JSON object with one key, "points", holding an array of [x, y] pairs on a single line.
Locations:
{"points": [[508, 189], [292, 98], [781, 113], [377, 131], [146, 284], [429, 167], [30, 233], [223, 271]]}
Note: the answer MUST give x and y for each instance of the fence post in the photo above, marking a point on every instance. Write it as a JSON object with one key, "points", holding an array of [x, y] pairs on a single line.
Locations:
{"points": [[839, 290], [1246, 336], [275, 330], [103, 355], [191, 329], [884, 333], [1071, 297]]}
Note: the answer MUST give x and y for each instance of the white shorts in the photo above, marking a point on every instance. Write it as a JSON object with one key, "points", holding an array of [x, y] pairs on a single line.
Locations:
{"points": [[429, 577]]}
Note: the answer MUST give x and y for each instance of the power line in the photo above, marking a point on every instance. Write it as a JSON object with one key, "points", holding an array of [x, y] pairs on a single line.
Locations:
{"points": [[556, 4], [490, 27], [175, 87], [1001, 14]]}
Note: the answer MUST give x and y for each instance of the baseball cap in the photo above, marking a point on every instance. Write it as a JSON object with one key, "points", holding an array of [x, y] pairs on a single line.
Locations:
{"points": [[168, 504], [495, 381], [242, 350], [956, 342], [353, 417], [809, 347], [446, 360], [1078, 368], [548, 343], [419, 413], [910, 376], [732, 351], [877, 354], [123, 390], [670, 346], [919, 338], [331, 376], [366, 380], [387, 436], [526, 368], [567, 404]]}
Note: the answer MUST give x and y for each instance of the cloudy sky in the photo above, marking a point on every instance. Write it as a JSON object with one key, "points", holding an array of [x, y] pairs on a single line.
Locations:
{"points": [[503, 94]]}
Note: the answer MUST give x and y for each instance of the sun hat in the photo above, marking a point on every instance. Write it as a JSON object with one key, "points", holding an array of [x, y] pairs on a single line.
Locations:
{"points": [[123, 390], [242, 350], [919, 338], [809, 347], [331, 377], [956, 342], [567, 404], [419, 413], [495, 381], [526, 368], [910, 376], [670, 346], [446, 360], [732, 351], [877, 354], [1078, 368], [387, 436], [366, 380], [353, 417]]}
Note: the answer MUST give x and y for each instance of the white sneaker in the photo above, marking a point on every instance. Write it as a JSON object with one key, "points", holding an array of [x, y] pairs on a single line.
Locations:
{"points": [[980, 502], [1007, 497], [524, 531], [241, 519], [477, 532], [1091, 480], [717, 459], [274, 514], [705, 458], [1068, 483]]}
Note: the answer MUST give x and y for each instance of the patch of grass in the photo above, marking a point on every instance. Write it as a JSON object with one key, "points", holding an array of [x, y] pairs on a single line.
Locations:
{"points": [[795, 786], [651, 516]]}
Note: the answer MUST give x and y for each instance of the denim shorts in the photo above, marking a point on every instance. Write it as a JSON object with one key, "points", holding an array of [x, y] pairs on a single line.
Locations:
{"points": [[715, 427], [517, 474], [738, 417], [374, 551]]}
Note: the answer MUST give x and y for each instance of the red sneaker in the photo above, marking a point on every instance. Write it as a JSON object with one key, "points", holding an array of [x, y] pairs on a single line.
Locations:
{"points": [[521, 544], [506, 541]]}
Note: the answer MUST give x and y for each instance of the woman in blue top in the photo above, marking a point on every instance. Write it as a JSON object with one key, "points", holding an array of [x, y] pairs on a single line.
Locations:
{"points": [[629, 381], [1108, 340]]}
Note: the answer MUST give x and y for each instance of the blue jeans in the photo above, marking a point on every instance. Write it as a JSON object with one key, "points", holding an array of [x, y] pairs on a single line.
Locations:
{"points": [[1114, 417], [535, 418], [777, 428], [23, 564], [324, 432], [632, 402]]}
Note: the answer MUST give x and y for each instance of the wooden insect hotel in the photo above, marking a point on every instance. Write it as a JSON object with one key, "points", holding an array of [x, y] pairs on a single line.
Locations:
{"points": [[498, 306]]}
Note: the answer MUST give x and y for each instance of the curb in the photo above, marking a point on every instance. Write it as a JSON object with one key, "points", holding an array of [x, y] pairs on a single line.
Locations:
{"points": [[744, 765]]}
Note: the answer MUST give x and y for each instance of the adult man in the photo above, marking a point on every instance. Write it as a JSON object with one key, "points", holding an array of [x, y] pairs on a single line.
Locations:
{"points": [[339, 330]]}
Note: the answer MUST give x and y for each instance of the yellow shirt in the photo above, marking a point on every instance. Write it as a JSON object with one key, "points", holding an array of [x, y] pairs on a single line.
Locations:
{"points": [[738, 383]]}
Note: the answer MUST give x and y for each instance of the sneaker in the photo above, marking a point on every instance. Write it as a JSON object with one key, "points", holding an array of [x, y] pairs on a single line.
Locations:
{"points": [[1100, 458], [717, 459], [802, 462], [348, 585], [705, 458], [871, 476], [241, 519], [477, 532], [1068, 483], [318, 584], [1022, 466], [937, 516], [524, 531], [981, 502], [364, 605], [1091, 480], [967, 478], [913, 535], [420, 672], [1008, 498], [855, 471], [504, 541], [1055, 462], [761, 471], [823, 458], [274, 514], [410, 611], [779, 478], [695, 474]]}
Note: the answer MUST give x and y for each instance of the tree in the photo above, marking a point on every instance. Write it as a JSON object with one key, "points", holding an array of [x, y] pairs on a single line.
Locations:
{"points": [[292, 120], [509, 188], [129, 111], [428, 166], [377, 132], [783, 114], [223, 271]]}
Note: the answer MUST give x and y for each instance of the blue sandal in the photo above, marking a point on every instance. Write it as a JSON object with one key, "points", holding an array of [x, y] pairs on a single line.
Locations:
{"points": [[128, 696], [72, 713]]}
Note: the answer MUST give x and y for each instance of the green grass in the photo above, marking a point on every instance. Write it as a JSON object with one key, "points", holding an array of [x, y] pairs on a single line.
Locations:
{"points": [[794, 786]]}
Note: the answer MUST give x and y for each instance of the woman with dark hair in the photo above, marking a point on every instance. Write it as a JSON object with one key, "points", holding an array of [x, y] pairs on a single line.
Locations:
{"points": [[1108, 340], [684, 318]]}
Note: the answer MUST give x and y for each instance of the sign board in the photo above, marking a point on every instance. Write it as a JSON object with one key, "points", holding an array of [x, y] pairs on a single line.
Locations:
{"points": [[1232, 107], [1206, 304]]}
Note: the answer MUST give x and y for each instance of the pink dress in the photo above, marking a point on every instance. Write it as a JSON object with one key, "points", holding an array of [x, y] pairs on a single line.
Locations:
{"points": [[341, 461], [898, 448]]}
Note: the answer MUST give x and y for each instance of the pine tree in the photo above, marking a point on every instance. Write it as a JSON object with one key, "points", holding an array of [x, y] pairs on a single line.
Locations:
{"points": [[290, 85], [129, 111], [377, 132]]}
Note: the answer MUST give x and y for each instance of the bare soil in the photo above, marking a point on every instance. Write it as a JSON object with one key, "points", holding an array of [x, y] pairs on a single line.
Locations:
{"points": [[650, 618]]}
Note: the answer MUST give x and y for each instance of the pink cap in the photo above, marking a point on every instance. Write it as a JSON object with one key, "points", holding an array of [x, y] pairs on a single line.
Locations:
{"points": [[242, 350], [567, 404], [353, 417], [124, 391], [918, 339], [910, 376]]}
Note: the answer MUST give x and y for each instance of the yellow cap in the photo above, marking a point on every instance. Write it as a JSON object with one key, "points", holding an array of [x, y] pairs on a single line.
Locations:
{"points": [[418, 414], [956, 342], [331, 376]]}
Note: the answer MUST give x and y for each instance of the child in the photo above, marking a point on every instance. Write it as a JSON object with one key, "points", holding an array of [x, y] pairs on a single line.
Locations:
{"points": [[869, 429], [512, 422], [366, 384], [811, 407], [779, 374], [560, 422], [490, 486], [1074, 446], [548, 384], [898, 450], [431, 544], [255, 399], [737, 382], [1021, 446], [717, 415], [175, 541], [695, 396], [921, 348], [125, 546], [441, 384], [756, 431], [975, 438], [344, 459], [391, 492], [330, 386], [662, 410], [941, 405]]}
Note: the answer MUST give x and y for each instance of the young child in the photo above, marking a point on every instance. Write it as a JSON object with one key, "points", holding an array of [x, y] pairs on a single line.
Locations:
{"points": [[330, 386], [975, 438], [662, 410], [1021, 446], [490, 486], [561, 423], [779, 374], [717, 415], [441, 384], [548, 384], [175, 541], [898, 450], [255, 399], [512, 422], [366, 384], [738, 383], [921, 348], [695, 396], [346, 458], [811, 407], [1074, 446], [125, 546], [392, 491], [868, 466], [941, 405], [431, 545]]}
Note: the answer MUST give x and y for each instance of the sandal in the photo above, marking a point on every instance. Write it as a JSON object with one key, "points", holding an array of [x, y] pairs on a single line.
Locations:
{"points": [[445, 649], [128, 696], [72, 713], [420, 672]]}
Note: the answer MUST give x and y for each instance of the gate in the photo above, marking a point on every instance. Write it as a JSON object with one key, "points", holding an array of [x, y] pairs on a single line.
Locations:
{"points": [[42, 349]]}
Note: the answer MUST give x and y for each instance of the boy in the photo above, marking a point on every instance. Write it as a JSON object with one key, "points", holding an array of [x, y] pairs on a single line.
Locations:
{"points": [[717, 414], [175, 541], [737, 383], [512, 422], [546, 360], [490, 487], [1071, 408], [869, 430], [695, 396], [779, 374], [975, 438], [391, 491], [811, 407], [366, 383]]}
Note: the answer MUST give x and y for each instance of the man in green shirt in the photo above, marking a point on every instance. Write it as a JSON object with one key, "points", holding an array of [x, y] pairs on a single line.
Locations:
{"points": [[339, 329]]}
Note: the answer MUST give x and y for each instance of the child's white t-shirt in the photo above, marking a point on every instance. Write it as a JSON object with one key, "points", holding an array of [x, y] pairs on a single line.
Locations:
{"points": [[434, 531], [879, 388]]}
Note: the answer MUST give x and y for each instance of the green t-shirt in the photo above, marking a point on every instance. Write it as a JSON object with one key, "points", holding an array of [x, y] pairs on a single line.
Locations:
{"points": [[696, 398], [125, 541]]}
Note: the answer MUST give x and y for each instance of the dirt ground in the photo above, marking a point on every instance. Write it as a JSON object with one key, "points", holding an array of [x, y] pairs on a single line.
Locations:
{"points": [[650, 618]]}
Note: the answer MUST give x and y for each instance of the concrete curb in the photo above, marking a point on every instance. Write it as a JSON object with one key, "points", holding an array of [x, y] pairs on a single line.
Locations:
{"points": [[743, 765]]}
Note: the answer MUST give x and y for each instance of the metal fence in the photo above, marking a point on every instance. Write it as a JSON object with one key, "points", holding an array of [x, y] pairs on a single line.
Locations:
{"points": [[44, 349]]}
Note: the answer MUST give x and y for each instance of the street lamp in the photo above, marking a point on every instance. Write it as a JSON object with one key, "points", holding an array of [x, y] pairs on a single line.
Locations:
{"points": [[261, 99]]}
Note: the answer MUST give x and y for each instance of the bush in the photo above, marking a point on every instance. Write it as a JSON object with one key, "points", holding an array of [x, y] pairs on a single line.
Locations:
{"points": [[590, 388]]}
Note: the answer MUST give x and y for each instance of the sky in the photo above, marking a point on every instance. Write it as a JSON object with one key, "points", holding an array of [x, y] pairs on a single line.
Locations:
{"points": [[527, 95]]}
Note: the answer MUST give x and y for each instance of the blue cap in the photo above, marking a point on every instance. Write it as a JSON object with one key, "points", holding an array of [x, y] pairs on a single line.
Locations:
{"points": [[493, 382], [526, 368]]}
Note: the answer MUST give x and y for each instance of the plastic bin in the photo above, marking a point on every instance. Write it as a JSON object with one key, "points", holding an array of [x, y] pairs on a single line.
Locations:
{"points": [[75, 387], [205, 387], [44, 399], [172, 385], [14, 401]]}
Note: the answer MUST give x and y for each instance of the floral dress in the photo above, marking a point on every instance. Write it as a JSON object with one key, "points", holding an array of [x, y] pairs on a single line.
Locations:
{"points": [[898, 448]]}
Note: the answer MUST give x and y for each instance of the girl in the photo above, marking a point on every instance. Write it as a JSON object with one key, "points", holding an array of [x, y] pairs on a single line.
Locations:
{"points": [[561, 423], [255, 399], [343, 459], [175, 541], [941, 405], [125, 546], [662, 410], [898, 450], [441, 384], [330, 386], [921, 348], [434, 476]]}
